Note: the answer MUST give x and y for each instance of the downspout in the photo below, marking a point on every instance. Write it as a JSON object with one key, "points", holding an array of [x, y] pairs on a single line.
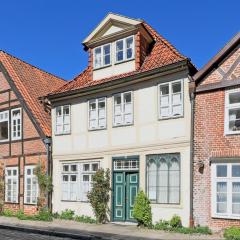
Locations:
{"points": [[48, 144], [192, 100]]}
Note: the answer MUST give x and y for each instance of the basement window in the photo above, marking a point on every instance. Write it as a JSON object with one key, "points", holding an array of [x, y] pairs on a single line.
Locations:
{"points": [[232, 111]]}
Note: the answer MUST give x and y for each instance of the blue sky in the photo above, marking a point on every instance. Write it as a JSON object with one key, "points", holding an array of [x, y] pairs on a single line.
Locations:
{"points": [[48, 33]]}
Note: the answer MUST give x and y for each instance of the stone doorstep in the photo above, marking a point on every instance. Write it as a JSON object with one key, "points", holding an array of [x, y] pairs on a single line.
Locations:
{"points": [[75, 230]]}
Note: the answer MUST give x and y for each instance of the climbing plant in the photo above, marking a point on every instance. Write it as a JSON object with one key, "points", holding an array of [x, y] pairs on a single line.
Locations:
{"points": [[99, 195], [44, 183]]}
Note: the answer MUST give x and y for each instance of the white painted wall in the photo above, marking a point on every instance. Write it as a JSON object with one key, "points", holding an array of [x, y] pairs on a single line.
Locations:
{"points": [[147, 135]]}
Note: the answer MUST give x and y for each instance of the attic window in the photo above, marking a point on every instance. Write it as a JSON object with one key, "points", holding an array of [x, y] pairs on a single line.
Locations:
{"points": [[102, 56], [124, 49]]}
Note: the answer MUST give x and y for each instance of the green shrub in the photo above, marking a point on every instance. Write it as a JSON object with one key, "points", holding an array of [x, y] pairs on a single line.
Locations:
{"points": [[232, 233], [142, 211], [175, 221], [84, 219], [162, 225], [99, 195], [67, 214], [43, 215], [8, 213]]}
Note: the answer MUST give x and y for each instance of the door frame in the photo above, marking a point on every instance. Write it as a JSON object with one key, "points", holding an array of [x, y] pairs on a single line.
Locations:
{"points": [[133, 157]]}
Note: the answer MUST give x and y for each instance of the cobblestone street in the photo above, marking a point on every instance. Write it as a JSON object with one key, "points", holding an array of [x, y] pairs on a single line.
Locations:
{"points": [[16, 235]]}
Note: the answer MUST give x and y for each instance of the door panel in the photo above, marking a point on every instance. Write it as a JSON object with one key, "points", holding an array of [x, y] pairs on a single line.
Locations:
{"points": [[119, 197], [131, 190]]}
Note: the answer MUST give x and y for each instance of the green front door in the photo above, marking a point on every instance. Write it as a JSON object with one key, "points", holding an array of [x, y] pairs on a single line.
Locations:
{"points": [[125, 188]]}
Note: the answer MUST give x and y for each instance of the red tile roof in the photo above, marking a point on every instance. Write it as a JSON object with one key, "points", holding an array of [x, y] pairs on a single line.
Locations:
{"points": [[162, 54], [32, 83]]}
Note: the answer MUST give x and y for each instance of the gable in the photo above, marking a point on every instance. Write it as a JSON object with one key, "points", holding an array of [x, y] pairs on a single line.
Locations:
{"points": [[110, 25], [228, 69]]}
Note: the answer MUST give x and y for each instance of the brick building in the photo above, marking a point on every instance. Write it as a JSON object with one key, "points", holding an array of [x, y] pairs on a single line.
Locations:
{"points": [[216, 192], [25, 129]]}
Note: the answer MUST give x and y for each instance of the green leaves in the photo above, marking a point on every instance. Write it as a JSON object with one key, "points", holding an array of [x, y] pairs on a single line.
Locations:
{"points": [[99, 195], [142, 211]]}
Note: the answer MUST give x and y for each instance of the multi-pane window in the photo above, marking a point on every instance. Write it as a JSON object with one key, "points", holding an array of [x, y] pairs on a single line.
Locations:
{"points": [[16, 126], [4, 126], [30, 185], [102, 56], [11, 184], [124, 49], [171, 99], [232, 111], [226, 190], [123, 109], [97, 113], [163, 178], [63, 124], [77, 180]]}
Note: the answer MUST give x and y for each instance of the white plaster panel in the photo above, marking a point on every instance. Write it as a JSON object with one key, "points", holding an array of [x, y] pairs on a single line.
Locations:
{"points": [[97, 139], [123, 135]]}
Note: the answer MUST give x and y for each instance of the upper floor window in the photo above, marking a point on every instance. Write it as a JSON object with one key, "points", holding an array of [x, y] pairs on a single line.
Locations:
{"points": [[11, 184], [97, 113], [16, 124], [4, 126], [63, 124], [124, 49], [171, 99], [232, 111], [102, 56], [226, 190], [123, 109]]}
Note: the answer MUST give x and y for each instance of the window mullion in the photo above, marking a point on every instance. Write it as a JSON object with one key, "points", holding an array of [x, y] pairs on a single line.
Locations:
{"points": [[170, 99]]}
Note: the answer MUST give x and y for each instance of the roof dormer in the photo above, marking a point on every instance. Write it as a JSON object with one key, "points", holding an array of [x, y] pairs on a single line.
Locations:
{"points": [[116, 46]]}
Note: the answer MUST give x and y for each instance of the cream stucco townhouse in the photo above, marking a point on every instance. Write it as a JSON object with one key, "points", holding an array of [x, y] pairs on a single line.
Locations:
{"points": [[128, 111]]}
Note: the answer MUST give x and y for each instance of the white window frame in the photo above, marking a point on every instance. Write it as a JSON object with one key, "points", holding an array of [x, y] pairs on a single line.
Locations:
{"points": [[4, 120], [170, 100], [32, 178], [124, 50], [80, 194], [229, 180], [62, 119], [97, 101], [228, 107], [16, 118], [102, 56], [123, 123], [12, 178]]}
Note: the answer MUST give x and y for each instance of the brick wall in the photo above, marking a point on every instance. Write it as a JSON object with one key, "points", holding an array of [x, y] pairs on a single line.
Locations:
{"points": [[210, 141], [28, 151]]}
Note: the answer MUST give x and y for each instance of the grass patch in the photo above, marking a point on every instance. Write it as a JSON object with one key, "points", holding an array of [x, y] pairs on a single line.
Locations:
{"points": [[168, 226]]}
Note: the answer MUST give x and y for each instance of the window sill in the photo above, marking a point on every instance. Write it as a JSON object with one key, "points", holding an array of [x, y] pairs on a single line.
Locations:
{"points": [[99, 68], [123, 61], [11, 203], [168, 118], [215, 216], [62, 134], [97, 129], [76, 201], [123, 125], [30, 204], [232, 133]]}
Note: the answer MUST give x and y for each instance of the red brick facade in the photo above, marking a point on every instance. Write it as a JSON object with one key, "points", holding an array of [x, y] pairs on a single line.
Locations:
{"points": [[209, 137]]}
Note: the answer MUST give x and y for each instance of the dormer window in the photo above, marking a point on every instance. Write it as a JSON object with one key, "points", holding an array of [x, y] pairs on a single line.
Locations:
{"points": [[102, 56], [124, 49]]}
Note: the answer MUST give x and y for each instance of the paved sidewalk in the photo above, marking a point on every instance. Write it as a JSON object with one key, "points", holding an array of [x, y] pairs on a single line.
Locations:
{"points": [[71, 229]]}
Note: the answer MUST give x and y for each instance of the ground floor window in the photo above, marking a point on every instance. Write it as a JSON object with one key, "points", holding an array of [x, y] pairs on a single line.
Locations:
{"points": [[226, 190], [30, 186], [77, 180], [163, 178], [11, 184]]}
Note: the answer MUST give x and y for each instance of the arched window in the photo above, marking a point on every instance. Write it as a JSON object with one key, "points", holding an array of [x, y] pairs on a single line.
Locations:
{"points": [[152, 179], [174, 180]]}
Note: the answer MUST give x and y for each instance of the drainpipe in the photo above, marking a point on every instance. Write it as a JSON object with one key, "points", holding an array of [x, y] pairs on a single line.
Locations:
{"points": [[48, 144], [192, 100]]}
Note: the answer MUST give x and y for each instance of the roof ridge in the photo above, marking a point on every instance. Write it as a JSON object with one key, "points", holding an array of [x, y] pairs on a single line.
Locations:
{"points": [[163, 39], [31, 65]]}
